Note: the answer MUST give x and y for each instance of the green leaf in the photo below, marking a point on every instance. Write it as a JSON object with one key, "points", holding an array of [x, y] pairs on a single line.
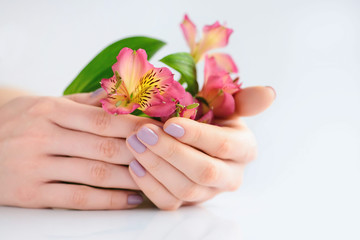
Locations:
{"points": [[139, 113], [100, 67], [185, 65]]}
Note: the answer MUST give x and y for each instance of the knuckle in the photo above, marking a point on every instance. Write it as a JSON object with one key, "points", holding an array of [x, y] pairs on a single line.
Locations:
{"points": [[42, 106], [249, 155], [153, 165], [109, 147], [252, 150], [25, 195], [209, 175], [112, 200], [196, 135], [102, 120], [170, 151], [37, 131], [99, 172], [189, 193], [234, 185], [252, 154], [73, 97], [224, 148], [79, 197], [138, 125]]}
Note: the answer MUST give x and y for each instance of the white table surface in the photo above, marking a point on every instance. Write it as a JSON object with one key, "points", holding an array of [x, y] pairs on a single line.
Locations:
{"points": [[305, 183]]}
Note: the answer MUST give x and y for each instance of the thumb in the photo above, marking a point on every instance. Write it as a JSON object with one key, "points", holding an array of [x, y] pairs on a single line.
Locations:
{"points": [[251, 101], [91, 98]]}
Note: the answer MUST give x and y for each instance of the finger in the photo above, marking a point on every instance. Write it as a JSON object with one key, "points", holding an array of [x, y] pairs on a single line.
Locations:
{"points": [[222, 142], [153, 189], [86, 145], [253, 100], [81, 117], [92, 98], [89, 172], [171, 178], [69, 196], [196, 165]]}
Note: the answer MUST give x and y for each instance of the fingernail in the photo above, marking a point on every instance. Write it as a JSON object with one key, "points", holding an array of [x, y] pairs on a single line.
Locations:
{"points": [[137, 168], [97, 92], [272, 90], [136, 144], [175, 130], [147, 135], [135, 199]]}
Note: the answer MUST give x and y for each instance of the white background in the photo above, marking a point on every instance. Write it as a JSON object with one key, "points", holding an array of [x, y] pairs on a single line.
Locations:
{"points": [[305, 183]]}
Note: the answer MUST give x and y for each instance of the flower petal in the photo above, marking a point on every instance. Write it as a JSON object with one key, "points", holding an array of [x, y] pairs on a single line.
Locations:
{"points": [[175, 91], [164, 104], [207, 117], [224, 105], [229, 85], [217, 78], [112, 106], [188, 113], [212, 68], [153, 85], [108, 84], [189, 30], [163, 109], [225, 61], [131, 66], [214, 36], [187, 99]]}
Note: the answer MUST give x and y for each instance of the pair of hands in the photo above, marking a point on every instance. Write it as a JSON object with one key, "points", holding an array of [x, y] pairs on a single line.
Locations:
{"points": [[69, 153]]}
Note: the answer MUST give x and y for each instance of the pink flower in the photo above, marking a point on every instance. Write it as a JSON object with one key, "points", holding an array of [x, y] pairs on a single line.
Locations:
{"points": [[186, 107], [137, 84], [225, 62], [207, 117], [218, 90], [214, 36]]}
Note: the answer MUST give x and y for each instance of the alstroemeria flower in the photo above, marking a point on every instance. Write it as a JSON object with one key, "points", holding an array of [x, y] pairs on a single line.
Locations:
{"points": [[207, 117], [225, 62], [137, 84], [186, 107], [214, 36], [218, 90]]}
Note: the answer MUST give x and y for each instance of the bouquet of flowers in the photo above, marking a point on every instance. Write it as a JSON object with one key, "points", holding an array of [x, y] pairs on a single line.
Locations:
{"points": [[135, 86]]}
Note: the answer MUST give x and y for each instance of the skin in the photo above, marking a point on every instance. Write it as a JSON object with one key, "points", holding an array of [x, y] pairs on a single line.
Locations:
{"points": [[66, 152], [206, 161]]}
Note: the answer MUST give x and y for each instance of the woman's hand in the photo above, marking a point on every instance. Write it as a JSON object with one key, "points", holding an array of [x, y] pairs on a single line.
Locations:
{"points": [[57, 153], [188, 162]]}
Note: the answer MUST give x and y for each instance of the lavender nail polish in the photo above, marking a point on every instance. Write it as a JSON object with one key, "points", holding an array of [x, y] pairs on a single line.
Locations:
{"points": [[136, 144], [175, 130], [135, 199], [137, 168], [147, 135], [97, 92]]}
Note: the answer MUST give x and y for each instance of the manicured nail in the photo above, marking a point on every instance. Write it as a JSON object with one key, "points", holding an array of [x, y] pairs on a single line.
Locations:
{"points": [[147, 135], [137, 168], [136, 144], [272, 90], [175, 130], [135, 199], [97, 92]]}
